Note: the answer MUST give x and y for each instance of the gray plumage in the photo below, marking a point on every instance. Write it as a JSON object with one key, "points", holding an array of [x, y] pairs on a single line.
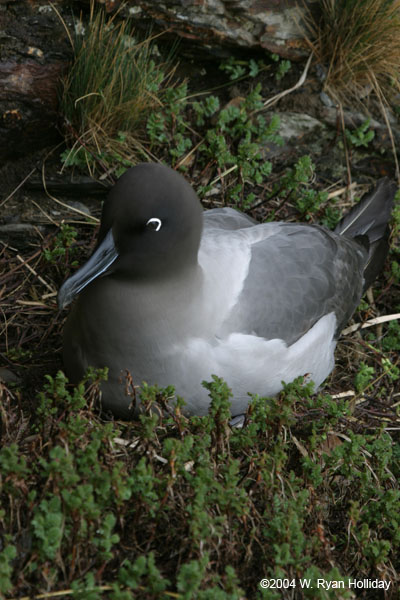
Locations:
{"points": [[173, 295]]}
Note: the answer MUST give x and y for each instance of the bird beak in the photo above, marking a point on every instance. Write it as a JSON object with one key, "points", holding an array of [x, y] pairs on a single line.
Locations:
{"points": [[97, 265]]}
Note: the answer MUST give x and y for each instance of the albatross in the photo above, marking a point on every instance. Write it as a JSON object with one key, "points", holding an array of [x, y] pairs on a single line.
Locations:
{"points": [[173, 294]]}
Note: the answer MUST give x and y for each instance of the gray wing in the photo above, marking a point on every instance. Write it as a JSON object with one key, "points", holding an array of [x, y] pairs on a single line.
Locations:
{"points": [[295, 277], [227, 218]]}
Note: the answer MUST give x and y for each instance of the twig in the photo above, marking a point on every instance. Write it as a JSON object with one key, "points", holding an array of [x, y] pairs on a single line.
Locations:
{"points": [[126, 443], [18, 186], [381, 98], [28, 266], [17, 267], [45, 213], [348, 394], [370, 323], [102, 588], [70, 208], [129, 444], [342, 190], [346, 151], [185, 158], [69, 592], [34, 303], [223, 174]]}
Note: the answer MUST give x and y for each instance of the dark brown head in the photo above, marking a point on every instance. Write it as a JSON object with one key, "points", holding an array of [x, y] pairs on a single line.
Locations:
{"points": [[150, 227]]}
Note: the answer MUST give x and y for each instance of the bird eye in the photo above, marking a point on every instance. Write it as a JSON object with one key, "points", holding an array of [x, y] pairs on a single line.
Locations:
{"points": [[154, 223]]}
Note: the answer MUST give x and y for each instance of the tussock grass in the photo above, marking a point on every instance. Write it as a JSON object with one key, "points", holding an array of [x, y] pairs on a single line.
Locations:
{"points": [[112, 87], [359, 42]]}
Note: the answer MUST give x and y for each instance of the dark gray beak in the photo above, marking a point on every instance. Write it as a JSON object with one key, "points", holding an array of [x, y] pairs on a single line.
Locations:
{"points": [[96, 266]]}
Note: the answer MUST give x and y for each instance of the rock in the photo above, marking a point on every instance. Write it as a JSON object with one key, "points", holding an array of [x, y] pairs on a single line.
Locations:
{"points": [[252, 24], [20, 228], [20, 235], [295, 127], [75, 206], [79, 206], [35, 50], [34, 53], [9, 376]]}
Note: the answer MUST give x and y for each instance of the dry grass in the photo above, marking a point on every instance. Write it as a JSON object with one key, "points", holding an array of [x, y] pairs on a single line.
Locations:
{"points": [[110, 90], [359, 43]]}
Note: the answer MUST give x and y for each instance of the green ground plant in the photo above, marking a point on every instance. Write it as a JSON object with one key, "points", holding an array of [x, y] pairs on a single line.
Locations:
{"points": [[63, 244], [238, 69], [233, 139], [283, 66], [100, 124], [361, 136], [296, 184], [105, 502], [364, 377]]}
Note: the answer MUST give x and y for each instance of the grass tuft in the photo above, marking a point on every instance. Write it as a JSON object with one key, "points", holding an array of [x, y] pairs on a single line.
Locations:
{"points": [[112, 87], [359, 42]]}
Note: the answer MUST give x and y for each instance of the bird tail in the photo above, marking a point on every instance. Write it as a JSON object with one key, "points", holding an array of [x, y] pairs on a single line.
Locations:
{"points": [[367, 223]]}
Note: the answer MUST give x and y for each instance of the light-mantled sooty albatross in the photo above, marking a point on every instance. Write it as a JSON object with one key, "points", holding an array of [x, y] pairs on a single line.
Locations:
{"points": [[173, 294]]}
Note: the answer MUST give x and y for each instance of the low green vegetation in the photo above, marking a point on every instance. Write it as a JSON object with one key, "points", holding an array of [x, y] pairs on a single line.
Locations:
{"points": [[364, 377], [232, 142], [228, 142], [361, 136], [159, 118], [237, 69], [62, 246], [283, 66], [171, 507]]}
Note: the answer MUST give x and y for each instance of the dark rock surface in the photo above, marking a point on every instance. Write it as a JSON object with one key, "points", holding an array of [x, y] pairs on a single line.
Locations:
{"points": [[35, 52]]}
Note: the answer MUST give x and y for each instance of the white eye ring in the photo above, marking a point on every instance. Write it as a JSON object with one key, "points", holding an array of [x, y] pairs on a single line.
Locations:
{"points": [[155, 223]]}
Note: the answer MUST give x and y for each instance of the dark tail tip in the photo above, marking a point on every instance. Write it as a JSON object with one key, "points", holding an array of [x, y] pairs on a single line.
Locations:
{"points": [[371, 215], [367, 222], [376, 259]]}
